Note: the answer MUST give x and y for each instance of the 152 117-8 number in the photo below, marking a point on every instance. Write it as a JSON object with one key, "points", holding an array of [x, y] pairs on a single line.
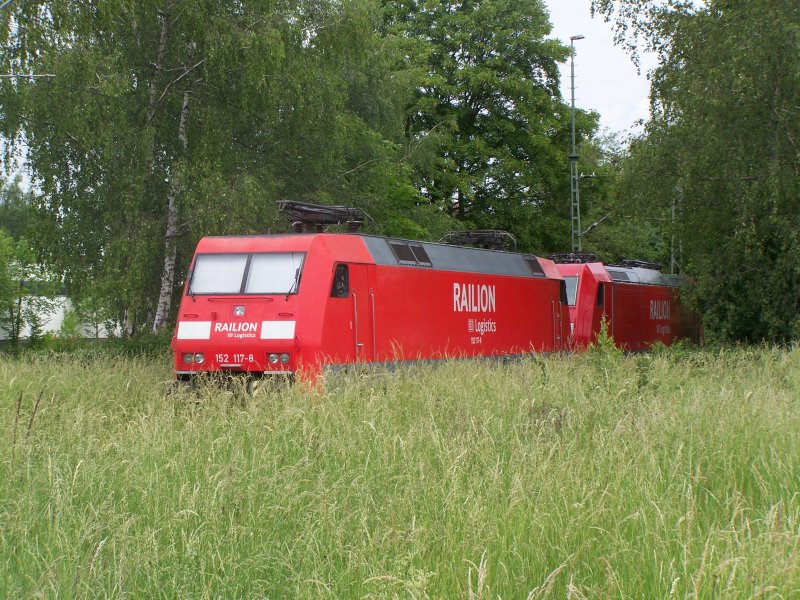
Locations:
{"points": [[234, 358]]}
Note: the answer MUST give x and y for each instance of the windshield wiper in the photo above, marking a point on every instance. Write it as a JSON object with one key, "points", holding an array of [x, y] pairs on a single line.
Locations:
{"points": [[295, 285], [189, 287]]}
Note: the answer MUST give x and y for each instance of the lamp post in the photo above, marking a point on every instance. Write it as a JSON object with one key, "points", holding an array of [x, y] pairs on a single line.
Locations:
{"points": [[575, 198]]}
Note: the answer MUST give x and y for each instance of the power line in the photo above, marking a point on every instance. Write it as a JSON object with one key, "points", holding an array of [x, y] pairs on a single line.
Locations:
{"points": [[22, 75]]}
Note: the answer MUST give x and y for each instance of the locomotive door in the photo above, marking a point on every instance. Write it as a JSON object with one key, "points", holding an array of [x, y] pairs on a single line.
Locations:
{"points": [[363, 298], [557, 325], [561, 319], [608, 308]]}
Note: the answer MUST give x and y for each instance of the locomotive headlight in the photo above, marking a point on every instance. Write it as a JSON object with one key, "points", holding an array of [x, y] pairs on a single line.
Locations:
{"points": [[273, 359], [188, 358], [284, 358], [199, 358]]}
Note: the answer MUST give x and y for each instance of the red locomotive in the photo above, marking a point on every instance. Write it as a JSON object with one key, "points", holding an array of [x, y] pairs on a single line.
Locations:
{"points": [[641, 305], [297, 303]]}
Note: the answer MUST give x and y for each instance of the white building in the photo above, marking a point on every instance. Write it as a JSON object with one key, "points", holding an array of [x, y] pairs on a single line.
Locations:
{"points": [[53, 321]]}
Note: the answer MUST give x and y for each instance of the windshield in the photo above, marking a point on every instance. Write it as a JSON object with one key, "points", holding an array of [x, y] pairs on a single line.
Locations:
{"points": [[261, 273], [274, 273], [218, 273], [572, 289]]}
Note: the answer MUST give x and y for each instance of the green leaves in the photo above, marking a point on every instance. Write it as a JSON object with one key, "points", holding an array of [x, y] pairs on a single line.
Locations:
{"points": [[27, 290], [722, 149], [168, 121], [488, 91]]}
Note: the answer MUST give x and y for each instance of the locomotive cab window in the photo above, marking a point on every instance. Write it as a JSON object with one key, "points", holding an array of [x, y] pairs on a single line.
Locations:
{"points": [[341, 282], [245, 273], [275, 273], [572, 289], [218, 274]]}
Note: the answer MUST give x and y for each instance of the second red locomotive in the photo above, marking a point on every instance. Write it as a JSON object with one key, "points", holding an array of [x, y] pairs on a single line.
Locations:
{"points": [[640, 305]]}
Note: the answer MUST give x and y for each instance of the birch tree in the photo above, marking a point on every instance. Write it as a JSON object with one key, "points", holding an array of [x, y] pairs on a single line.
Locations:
{"points": [[167, 120]]}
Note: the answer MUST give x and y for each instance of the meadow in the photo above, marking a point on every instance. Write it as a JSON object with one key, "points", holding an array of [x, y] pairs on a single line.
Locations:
{"points": [[674, 474]]}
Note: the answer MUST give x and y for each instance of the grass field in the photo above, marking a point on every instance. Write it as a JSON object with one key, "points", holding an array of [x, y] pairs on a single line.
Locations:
{"points": [[673, 474]]}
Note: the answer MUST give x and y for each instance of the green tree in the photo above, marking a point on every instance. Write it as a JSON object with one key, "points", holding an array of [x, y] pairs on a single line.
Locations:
{"points": [[165, 121], [26, 290], [488, 109], [614, 225], [87, 318], [16, 208], [722, 149]]}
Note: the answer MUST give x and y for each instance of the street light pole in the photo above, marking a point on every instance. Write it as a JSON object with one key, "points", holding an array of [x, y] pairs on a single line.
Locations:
{"points": [[575, 198]]}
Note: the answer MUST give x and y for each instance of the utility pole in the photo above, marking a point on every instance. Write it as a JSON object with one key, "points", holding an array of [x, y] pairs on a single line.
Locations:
{"points": [[575, 198]]}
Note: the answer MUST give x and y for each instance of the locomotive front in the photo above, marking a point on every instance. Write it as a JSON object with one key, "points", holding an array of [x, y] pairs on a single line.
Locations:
{"points": [[238, 311]]}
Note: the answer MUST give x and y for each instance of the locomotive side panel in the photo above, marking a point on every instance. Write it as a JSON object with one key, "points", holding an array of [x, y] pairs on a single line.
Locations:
{"points": [[428, 314], [641, 315]]}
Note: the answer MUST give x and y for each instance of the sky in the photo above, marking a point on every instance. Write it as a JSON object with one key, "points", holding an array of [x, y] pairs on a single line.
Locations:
{"points": [[605, 78]]}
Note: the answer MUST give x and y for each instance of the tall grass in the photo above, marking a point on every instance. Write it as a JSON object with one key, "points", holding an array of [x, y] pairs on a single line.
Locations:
{"points": [[596, 476]]}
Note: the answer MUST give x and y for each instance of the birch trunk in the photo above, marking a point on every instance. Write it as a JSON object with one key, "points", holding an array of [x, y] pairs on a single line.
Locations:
{"points": [[158, 67], [168, 273]]}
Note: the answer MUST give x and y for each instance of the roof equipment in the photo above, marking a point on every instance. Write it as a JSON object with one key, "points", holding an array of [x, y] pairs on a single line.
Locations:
{"points": [[634, 263], [309, 218], [566, 258], [489, 239]]}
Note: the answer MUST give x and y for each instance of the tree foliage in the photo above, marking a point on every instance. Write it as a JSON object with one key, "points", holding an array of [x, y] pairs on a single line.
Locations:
{"points": [[488, 109], [26, 290], [16, 208], [26, 287], [169, 120], [722, 148], [614, 226]]}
